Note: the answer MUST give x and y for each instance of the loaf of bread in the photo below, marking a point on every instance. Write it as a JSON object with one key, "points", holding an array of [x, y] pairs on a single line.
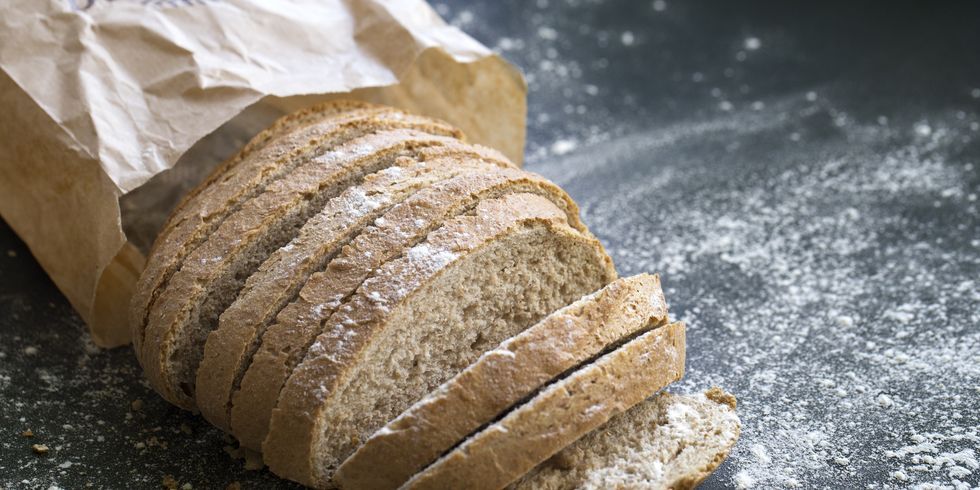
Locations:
{"points": [[371, 302]]}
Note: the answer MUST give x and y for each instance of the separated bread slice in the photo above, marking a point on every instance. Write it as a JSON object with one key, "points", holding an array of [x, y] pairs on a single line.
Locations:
{"points": [[212, 275], [563, 412], [477, 280], [667, 442], [281, 127], [284, 344], [229, 348], [204, 213], [501, 378]]}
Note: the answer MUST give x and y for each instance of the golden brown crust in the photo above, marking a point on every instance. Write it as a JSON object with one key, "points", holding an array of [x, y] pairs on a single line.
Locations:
{"points": [[559, 415], [181, 301], [285, 343], [295, 426], [230, 347], [502, 377], [193, 224]]}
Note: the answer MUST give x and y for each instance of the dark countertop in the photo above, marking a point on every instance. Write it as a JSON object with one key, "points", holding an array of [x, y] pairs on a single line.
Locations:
{"points": [[804, 177]]}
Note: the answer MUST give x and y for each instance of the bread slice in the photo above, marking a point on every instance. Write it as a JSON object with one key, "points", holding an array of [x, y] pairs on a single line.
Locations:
{"points": [[560, 414], [667, 442], [229, 348], [279, 129], [284, 344], [421, 319], [212, 275], [204, 213], [501, 378]]}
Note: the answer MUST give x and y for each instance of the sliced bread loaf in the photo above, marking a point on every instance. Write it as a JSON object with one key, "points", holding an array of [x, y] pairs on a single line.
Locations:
{"points": [[502, 377], [229, 348], [205, 212], [667, 442], [479, 279], [285, 343], [212, 275], [560, 414]]}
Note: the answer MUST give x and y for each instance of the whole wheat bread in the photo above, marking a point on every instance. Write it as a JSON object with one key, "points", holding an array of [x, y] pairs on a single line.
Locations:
{"points": [[203, 213], [212, 275], [229, 348], [560, 414], [285, 343], [422, 318], [500, 378], [667, 442]]}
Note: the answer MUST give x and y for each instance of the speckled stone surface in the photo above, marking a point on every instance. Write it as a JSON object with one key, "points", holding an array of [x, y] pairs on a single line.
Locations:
{"points": [[805, 179]]}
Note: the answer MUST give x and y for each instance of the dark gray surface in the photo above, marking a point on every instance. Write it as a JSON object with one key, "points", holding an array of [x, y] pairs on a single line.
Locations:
{"points": [[824, 248]]}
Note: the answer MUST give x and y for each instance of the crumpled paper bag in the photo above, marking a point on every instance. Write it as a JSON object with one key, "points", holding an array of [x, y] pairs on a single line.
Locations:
{"points": [[102, 99]]}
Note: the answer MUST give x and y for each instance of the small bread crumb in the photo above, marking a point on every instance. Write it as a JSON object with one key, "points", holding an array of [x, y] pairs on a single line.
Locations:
{"points": [[40, 449], [27, 433], [186, 429], [169, 482], [136, 405], [718, 395]]}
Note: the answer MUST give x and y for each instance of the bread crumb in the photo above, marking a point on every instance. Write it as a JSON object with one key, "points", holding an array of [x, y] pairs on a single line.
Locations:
{"points": [[186, 429], [12, 253], [136, 405], [169, 482], [27, 433], [718, 395], [30, 351], [40, 449]]}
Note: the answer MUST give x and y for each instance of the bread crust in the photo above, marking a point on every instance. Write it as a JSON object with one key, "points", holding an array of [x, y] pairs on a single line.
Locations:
{"points": [[560, 414], [284, 344], [229, 349], [502, 377], [202, 214], [180, 303], [296, 425]]}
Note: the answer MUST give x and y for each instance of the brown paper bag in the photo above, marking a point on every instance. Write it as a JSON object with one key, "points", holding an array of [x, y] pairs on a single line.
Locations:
{"points": [[114, 108]]}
